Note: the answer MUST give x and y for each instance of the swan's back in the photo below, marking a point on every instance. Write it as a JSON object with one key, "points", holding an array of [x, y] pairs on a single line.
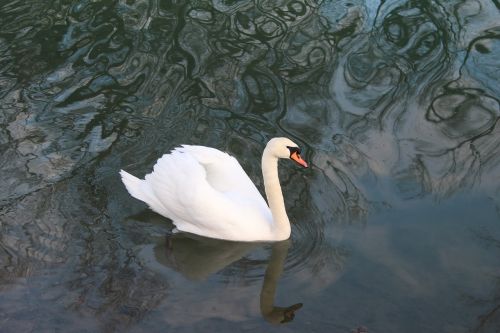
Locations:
{"points": [[206, 192]]}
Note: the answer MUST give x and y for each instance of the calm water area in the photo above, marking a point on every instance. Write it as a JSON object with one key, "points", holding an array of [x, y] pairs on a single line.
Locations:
{"points": [[396, 105]]}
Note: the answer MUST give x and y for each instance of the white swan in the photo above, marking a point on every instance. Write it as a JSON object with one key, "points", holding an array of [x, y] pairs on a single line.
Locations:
{"points": [[206, 192]]}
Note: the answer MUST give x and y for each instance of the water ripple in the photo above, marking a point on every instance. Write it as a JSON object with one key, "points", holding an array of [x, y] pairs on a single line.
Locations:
{"points": [[392, 101]]}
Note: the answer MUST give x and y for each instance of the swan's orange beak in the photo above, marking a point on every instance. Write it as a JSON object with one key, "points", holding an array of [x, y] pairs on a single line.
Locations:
{"points": [[296, 157]]}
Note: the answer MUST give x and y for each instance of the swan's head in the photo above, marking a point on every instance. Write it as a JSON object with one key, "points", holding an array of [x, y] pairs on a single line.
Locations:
{"points": [[285, 148]]}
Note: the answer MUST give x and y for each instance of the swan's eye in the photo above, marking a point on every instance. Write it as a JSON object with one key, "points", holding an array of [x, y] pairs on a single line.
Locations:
{"points": [[293, 150]]}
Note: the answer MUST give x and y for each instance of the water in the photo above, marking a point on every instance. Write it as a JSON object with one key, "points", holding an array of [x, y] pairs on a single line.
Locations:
{"points": [[395, 104]]}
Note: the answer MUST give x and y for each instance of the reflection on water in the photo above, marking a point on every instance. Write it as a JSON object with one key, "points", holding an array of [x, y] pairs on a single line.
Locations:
{"points": [[197, 258], [276, 314], [396, 103]]}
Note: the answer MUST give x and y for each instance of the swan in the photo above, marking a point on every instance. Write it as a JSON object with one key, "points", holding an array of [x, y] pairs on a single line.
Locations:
{"points": [[206, 192]]}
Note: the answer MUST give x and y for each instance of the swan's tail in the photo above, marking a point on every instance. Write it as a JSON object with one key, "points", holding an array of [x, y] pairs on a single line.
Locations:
{"points": [[133, 185], [141, 190]]}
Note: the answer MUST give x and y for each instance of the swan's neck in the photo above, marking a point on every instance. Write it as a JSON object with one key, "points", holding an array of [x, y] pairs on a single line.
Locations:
{"points": [[281, 224]]}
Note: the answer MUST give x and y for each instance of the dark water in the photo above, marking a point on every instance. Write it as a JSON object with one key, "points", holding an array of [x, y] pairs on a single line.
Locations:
{"points": [[396, 227]]}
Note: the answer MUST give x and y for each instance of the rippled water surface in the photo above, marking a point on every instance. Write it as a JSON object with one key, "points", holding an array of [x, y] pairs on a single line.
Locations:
{"points": [[396, 225]]}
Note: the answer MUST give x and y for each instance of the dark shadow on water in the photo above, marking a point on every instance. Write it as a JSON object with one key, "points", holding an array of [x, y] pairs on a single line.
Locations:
{"points": [[197, 258]]}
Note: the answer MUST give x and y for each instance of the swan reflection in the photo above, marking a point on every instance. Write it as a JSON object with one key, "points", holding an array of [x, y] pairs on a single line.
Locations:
{"points": [[197, 258]]}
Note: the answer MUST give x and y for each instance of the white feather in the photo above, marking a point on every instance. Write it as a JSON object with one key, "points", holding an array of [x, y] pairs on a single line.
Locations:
{"points": [[206, 192]]}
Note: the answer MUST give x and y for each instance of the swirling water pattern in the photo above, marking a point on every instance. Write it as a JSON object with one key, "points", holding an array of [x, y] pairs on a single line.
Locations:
{"points": [[396, 104]]}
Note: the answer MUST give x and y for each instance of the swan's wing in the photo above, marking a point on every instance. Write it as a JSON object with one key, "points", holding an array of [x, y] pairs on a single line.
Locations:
{"points": [[205, 191], [223, 172]]}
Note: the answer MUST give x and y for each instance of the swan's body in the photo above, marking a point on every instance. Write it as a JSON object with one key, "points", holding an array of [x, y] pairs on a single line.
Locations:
{"points": [[206, 192]]}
